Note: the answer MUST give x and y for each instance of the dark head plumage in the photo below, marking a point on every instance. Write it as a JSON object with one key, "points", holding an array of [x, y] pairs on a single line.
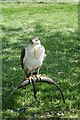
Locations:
{"points": [[35, 40]]}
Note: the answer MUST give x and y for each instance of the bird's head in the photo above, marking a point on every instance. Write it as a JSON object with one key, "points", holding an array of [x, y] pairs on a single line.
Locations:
{"points": [[34, 40]]}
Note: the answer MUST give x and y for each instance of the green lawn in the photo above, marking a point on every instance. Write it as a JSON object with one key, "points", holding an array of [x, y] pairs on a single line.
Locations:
{"points": [[57, 27]]}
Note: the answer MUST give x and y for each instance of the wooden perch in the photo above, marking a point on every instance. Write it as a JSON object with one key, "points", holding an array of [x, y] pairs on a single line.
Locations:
{"points": [[43, 79]]}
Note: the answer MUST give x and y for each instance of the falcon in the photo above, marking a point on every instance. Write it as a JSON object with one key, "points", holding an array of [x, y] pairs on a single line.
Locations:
{"points": [[32, 57]]}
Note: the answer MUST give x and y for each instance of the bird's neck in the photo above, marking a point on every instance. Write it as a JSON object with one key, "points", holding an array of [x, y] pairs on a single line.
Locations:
{"points": [[35, 44]]}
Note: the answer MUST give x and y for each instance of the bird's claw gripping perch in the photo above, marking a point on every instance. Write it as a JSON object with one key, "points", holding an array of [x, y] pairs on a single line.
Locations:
{"points": [[38, 76], [30, 78]]}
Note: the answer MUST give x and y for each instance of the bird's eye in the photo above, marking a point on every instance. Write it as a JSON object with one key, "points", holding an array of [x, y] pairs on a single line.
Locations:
{"points": [[36, 39]]}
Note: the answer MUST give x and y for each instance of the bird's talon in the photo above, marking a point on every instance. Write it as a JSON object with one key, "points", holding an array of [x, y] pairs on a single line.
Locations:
{"points": [[30, 79], [38, 76]]}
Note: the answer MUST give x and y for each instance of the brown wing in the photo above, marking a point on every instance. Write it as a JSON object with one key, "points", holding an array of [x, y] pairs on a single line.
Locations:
{"points": [[22, 56]]}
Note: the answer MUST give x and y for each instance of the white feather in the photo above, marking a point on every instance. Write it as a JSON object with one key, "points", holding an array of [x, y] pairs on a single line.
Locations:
{"points": [[34, 56]]}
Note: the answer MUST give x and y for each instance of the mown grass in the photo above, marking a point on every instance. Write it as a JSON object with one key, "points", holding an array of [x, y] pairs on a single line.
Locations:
{"points": [[57, 27]]}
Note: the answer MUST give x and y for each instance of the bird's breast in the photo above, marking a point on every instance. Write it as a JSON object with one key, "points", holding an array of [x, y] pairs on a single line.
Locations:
{"points": [[34, 57], [37, 51]]}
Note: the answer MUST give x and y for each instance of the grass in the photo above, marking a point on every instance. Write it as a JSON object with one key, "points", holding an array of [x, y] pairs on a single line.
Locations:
{"points": [[57, 27]]}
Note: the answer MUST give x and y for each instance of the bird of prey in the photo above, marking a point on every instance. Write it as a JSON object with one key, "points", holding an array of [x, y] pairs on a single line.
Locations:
{"points": [[32, 57]]}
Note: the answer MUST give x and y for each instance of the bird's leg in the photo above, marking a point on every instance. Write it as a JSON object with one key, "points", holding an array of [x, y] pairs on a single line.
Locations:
{"points": [[37, 75], [29, 77]]}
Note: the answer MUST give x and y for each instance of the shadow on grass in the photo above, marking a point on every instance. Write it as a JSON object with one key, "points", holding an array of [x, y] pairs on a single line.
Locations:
{"points": [[10, 29], [61, 63]]}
